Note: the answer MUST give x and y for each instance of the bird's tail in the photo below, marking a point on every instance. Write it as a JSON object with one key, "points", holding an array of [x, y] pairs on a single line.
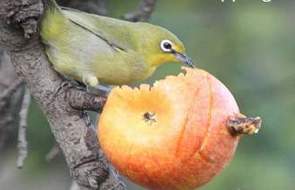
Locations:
{"points": [[53, 21]]}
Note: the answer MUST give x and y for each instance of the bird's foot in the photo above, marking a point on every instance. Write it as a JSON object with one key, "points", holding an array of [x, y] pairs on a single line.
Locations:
{"points": [[62, 86], [67, 84]]}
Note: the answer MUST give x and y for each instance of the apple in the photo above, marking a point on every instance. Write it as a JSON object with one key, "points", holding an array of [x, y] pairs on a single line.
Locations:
{"points": [[172, 135]]}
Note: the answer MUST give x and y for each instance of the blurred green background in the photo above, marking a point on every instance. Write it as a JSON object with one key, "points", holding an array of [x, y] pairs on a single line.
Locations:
{"points": [[250, 47]]}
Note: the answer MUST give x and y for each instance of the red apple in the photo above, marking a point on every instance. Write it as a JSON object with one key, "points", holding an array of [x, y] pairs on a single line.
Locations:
{"points": [[171, 136]]}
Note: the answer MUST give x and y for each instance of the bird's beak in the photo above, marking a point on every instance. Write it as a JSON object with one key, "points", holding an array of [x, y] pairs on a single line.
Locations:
{"points": [[184, 59]]}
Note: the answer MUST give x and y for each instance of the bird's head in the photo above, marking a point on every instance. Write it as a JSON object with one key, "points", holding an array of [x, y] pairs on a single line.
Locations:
{"points": [[161, 46]]}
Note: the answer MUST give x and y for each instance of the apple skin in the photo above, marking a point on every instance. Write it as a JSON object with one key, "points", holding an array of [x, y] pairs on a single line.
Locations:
{"points": [[183, 144]]}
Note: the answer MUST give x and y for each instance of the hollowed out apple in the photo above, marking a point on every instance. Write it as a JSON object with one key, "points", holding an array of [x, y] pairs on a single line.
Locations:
{"points": [[171, 136]]}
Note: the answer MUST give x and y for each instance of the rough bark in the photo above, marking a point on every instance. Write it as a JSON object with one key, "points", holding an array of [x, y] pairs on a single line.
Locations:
{"points": [[63, 105], [11, 93], [143, 11], [22, 129], [68, 123], [91, 6]]}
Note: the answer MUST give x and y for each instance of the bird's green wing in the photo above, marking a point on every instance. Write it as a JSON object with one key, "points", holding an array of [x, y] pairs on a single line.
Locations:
{"points": [[115, 32]]}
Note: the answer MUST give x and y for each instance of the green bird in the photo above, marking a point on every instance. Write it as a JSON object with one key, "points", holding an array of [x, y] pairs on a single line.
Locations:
{"points": [[92, 49]]}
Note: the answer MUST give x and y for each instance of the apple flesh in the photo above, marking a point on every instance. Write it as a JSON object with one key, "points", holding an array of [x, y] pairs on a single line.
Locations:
{"points": [[171, 136]]}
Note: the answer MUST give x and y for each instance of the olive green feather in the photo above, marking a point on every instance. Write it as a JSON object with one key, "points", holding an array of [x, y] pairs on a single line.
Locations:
{"points": [[92, 48]]}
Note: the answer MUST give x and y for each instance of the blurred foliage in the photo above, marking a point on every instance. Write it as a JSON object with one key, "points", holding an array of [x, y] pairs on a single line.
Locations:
{"points": [[249, 46]]}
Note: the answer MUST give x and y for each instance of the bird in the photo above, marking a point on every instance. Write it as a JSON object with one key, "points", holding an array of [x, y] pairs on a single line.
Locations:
{"points": [[95, 49]]}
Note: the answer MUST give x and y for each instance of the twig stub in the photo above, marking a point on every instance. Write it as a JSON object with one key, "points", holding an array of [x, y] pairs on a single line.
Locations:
{"points": [[54, 151], [240, 124]]}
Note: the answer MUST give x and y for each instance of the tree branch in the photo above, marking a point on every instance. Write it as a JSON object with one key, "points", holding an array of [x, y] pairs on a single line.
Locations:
{"points": [[91, 6], [63, 107], [74, 186], [82, 100], [10, 98], [54, 151], [78, 142], [22, 131], [8, 92], [143, 11]]}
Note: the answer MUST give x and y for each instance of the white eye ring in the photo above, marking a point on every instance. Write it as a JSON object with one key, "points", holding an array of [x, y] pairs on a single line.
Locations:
{"points": [[166, 45]]}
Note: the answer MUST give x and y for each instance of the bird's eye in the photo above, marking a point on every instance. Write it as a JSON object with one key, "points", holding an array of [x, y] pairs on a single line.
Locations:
{"points": [[166, 45]]}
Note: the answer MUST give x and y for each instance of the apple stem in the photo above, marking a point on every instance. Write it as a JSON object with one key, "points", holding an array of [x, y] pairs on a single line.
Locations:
{"points": [[240, 124]]}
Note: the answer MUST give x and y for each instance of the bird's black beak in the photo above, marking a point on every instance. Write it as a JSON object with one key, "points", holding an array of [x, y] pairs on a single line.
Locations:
{"points": [[184, 59]]}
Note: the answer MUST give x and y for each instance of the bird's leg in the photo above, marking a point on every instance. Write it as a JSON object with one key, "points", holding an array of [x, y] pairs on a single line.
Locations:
{"points": [[99, 90], [104, 90]]}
